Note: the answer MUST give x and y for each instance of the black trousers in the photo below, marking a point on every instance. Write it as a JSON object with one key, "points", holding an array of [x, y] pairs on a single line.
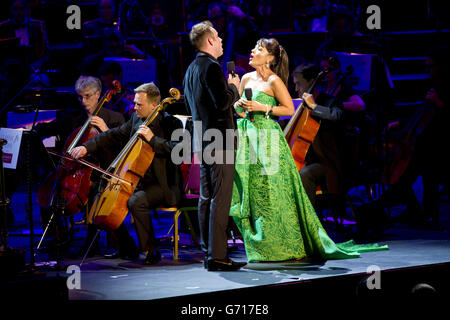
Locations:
{"points": [[216, 189], [312, 175], [140, 205], [431, 169]]}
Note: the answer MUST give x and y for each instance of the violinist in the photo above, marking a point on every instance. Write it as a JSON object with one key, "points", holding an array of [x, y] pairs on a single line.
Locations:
{"points": [[323, 160], [428, 158], [88, 90], [162, 183]]}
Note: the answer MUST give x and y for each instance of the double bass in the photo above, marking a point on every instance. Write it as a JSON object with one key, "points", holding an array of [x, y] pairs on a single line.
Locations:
{"points": [[302, 128], [110, 206], [71, 179]]}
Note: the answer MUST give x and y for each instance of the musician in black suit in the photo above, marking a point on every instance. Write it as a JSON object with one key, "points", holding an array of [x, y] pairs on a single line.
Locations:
{"points": [[210, 100], [32, 34], [162, 184]]}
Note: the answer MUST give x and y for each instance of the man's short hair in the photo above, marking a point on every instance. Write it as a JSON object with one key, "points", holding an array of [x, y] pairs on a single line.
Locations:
{"points": [[87, 82], [152, 91], [198, 33]]}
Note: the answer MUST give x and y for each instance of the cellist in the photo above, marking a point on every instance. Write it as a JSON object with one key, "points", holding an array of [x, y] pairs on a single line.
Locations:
{"points": [[162, 183], [88, 90], [323, 159], [428, 156]]}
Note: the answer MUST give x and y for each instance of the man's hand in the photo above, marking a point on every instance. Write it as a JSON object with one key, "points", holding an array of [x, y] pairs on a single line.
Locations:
{"points": [[145, 132], [78, 152], [234, 80], [309, 99], [99, 123]]}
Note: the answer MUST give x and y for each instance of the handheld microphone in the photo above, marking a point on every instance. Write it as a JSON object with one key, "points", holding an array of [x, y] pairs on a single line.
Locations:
{"points": [[231, 68], [248, 96]]}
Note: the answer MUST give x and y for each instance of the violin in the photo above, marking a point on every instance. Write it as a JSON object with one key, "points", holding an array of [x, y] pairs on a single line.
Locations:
{"points": [[110, 206], [302, 128], [72, 180]]}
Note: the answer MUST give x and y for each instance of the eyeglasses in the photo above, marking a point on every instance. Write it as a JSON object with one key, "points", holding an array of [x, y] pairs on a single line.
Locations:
{"points": [[85, 96]]}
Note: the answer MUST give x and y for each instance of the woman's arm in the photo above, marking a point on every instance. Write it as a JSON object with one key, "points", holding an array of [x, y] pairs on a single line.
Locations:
{"points": [[281, 93]]}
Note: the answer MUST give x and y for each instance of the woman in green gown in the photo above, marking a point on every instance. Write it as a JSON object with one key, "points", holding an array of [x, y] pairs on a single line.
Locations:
{"points": [[269, 205]]}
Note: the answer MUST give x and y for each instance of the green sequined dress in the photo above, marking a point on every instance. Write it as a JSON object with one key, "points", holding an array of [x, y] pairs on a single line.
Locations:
{"points": [[270, 206]]}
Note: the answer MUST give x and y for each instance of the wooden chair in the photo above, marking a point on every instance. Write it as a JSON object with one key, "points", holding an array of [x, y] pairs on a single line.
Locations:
{"points": [[192, 187]]}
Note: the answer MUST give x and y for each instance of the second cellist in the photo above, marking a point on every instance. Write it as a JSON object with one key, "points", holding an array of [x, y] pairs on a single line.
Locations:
{"points": [[160, 184], [322, 159]]}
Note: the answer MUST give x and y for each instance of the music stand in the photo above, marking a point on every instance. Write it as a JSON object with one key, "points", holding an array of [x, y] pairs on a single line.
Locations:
{"points": [[3, 203]]}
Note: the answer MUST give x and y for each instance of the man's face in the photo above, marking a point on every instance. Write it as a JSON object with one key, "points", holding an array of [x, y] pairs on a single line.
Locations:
{"points": [[18, 11], [216, 44], [341, 28], [325, 65], [106, 10], [215, 15], [89, 99], [301, 85], [107, 80], [142, 106]]}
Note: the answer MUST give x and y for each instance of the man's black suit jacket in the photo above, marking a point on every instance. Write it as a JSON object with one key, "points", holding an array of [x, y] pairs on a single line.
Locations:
{"points": [[209, 97], [162, 171]]}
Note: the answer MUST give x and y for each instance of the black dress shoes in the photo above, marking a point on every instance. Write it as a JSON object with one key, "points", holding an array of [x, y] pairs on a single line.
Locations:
{"points": [[132, 255], [224, 265], [112, 255], [152, 257]]}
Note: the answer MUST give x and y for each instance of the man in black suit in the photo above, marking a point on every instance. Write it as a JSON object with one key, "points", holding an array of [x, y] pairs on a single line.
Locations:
{"points": [[162, 183], [31, 34], [210, 100]]}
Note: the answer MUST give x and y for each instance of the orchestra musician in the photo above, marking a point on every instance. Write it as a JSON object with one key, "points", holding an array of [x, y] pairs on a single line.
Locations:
{"points": [[162, 183], [88, 90], [426, 158], [323, 159]]}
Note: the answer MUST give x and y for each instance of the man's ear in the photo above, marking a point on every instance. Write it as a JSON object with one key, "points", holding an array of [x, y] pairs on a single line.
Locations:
{"points": [[209, 41]]}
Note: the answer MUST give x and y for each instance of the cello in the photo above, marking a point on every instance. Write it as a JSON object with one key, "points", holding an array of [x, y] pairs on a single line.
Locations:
{"points": [[302, 128], [110, 206], [71, 179], [401, 150]]}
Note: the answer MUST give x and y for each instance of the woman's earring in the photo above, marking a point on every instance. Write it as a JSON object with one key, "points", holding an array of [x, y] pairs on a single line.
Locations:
{"points": [[267, 64]]}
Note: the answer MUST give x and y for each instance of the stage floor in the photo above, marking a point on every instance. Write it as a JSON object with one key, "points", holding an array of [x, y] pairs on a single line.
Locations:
{"points": [[116, 279], [123, 280]]}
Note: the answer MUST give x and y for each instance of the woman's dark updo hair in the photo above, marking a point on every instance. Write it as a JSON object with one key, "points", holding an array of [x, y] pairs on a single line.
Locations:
{"points": [[279, 65]]}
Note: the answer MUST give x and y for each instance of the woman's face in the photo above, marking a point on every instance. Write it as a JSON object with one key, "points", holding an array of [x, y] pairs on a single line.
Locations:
{"points": [[259, 56]]}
